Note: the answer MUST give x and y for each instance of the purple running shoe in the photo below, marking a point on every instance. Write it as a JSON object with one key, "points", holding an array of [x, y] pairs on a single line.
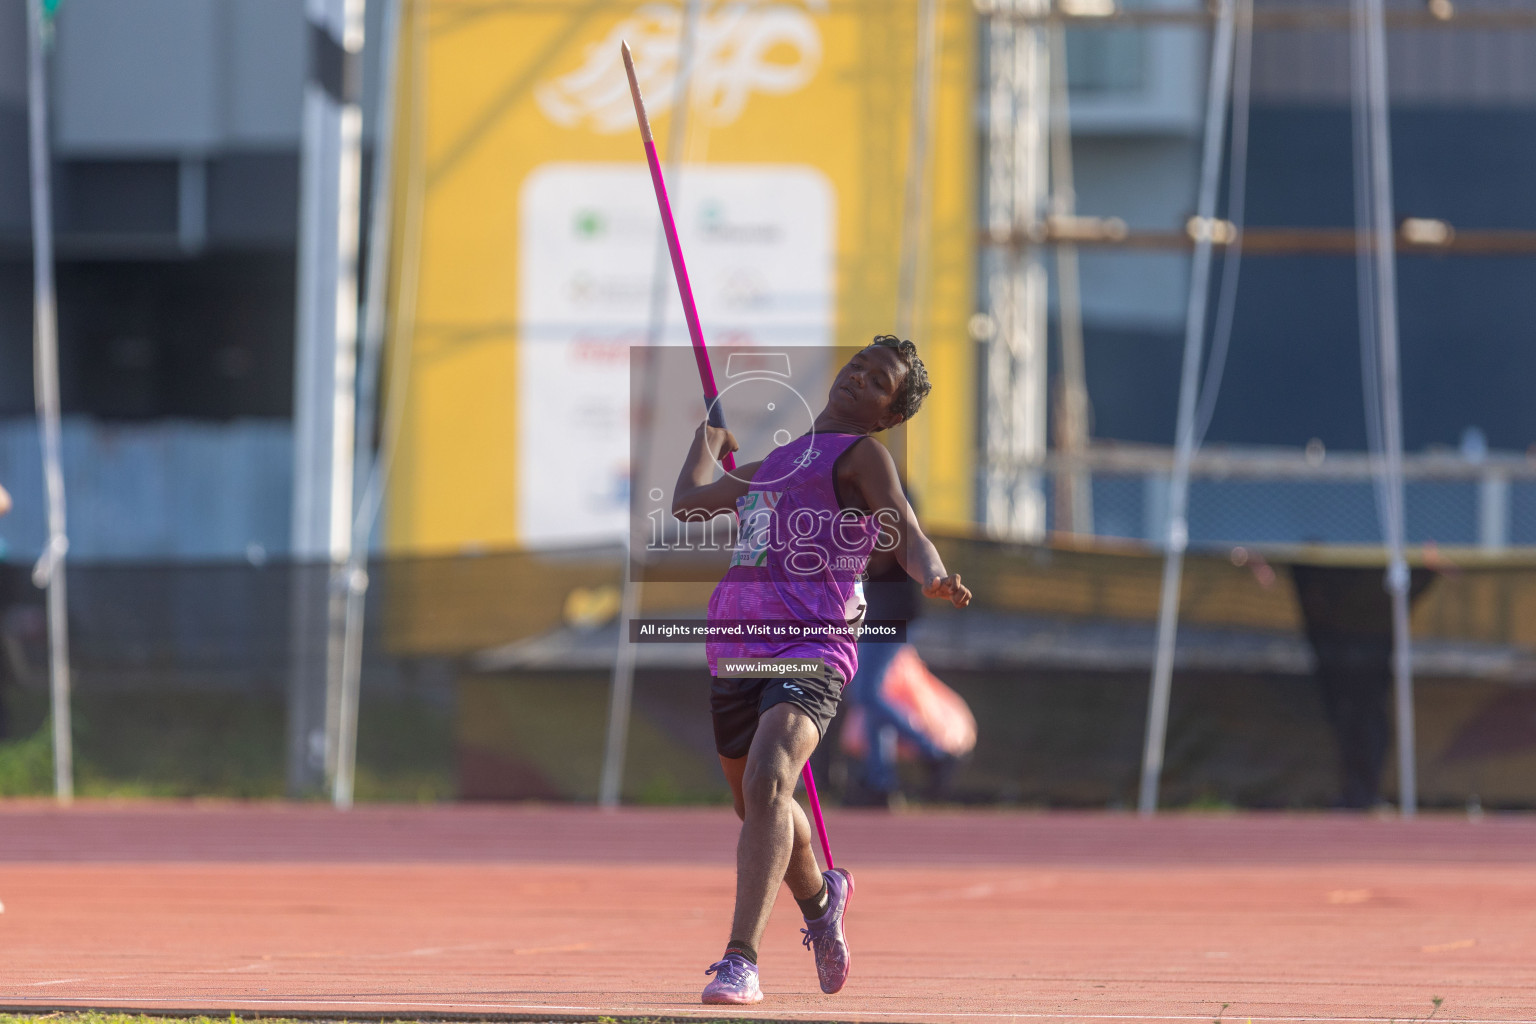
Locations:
{"points": [[826, 932], [735, 981]]}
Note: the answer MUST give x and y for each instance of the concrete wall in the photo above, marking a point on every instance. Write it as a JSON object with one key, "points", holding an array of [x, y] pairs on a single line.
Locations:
{"points": [[186, 76], [158, 491], [175, 124]]}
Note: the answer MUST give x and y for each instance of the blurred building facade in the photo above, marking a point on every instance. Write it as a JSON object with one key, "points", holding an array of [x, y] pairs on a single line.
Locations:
{"points": [[176, 126], [1464, 139], [176, 131]]}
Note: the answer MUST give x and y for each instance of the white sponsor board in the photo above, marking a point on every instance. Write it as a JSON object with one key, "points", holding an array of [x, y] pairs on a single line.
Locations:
{"points": [[759, 243]]}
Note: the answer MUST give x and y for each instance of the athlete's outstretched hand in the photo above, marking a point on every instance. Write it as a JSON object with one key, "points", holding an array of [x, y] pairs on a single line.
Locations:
{"points": [[948, 588]]}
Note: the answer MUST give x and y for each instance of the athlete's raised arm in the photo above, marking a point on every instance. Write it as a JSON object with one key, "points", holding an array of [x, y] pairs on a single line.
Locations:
{"points": [[871, 472], [697, 492]]}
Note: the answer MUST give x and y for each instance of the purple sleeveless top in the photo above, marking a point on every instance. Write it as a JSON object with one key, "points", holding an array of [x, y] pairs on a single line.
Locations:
{"points": [[799, 557]]}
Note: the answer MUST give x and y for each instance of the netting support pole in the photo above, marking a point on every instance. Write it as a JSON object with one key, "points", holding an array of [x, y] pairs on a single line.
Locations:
{"points": [[325, 382], [1379, 336], [49, 571], [622, 687], [1217, 96], [354, 581]]}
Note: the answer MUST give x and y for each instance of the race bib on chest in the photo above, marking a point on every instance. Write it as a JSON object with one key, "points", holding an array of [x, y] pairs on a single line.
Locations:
{"points": [[754, 515]]}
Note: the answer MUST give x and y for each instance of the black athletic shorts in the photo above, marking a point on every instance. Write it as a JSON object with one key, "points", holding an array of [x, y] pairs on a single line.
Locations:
{"points": [[736, 704]]}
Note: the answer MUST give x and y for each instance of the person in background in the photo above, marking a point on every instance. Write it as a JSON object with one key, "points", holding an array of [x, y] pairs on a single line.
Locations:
{"points": [[889, 594]]}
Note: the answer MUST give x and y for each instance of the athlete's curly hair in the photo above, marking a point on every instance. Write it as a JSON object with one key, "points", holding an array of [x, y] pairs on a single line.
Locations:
{"points": [[914, 386]]}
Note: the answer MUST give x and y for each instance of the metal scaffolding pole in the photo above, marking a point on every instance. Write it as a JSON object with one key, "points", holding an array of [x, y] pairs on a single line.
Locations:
{"points": [[1288, 16], [1217, 95], [1018, 109], [925, 68], [1377, 279], [1424, 236], [622, 689], [1074, 487], [49, 571]]}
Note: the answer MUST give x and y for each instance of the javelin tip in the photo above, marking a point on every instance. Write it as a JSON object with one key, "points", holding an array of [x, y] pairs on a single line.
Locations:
{"points": [[634, 91]]}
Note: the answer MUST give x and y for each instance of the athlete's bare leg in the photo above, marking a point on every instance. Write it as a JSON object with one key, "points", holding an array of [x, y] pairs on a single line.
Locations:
{"points": [[775, 842]]}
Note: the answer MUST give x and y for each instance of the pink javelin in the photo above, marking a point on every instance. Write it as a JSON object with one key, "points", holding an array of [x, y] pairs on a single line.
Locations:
{"points": [[679, 268], [700, 353]]}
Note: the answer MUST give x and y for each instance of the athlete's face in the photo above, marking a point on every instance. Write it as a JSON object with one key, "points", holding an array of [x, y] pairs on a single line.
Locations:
{"points": [[865, 388]]}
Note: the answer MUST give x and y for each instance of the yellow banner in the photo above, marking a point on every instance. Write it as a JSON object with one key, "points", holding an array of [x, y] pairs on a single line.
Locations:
{"points": [[538, 237]]}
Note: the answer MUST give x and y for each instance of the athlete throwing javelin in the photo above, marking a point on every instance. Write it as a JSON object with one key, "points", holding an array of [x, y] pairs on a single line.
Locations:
{"points": [[808, 517]]}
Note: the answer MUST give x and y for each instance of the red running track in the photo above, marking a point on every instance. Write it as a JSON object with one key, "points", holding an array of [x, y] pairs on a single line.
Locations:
{"points": [[549, 912]]}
